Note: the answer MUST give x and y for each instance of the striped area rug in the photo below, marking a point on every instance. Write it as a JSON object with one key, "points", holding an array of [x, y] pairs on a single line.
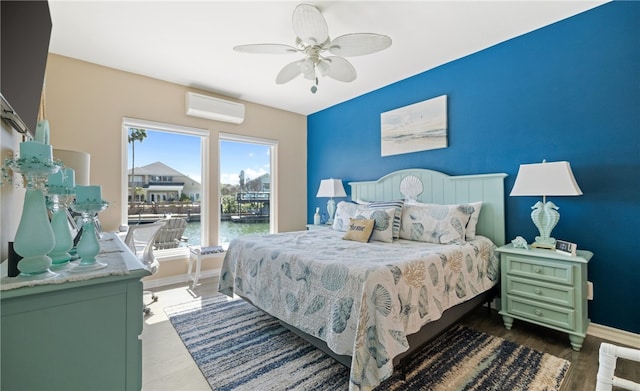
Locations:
{"points": [[238, 347]]}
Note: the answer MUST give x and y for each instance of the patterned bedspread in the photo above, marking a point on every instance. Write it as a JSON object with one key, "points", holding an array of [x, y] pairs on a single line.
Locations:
{"points": [[362, 299]]}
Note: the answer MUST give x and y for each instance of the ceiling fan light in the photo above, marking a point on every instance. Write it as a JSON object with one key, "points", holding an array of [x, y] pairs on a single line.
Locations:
{"points": [[308, 69]]}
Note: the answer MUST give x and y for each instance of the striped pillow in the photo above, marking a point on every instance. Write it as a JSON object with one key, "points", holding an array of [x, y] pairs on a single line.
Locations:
{"points": [[389, 204]]}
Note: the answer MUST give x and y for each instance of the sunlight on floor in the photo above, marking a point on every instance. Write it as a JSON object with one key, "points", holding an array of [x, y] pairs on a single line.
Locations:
{"points": [[174, 295]]}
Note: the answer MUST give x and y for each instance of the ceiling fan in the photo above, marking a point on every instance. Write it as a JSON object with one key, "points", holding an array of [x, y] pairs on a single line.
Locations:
{"points": [[312, 40]]}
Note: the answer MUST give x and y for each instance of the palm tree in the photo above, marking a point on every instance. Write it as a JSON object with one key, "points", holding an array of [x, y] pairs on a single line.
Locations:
{"points": [[135, 134]]}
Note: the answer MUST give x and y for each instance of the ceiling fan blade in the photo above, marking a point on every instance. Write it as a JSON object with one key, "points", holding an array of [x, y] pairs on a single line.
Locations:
{"points": [[309, 25], [341, 69], [289, 72], [266, 48], [358, 44]]}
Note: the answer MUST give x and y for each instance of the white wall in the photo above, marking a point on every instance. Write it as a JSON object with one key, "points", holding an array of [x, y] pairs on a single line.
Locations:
{"points": [[85, 107]]}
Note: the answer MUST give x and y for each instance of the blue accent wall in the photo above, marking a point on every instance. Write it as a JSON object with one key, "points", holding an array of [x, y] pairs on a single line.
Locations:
{"points": [[568, 91]]}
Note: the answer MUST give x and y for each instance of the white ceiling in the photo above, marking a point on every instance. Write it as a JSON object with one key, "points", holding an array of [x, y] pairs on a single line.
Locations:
{"points": [[191, 43]]}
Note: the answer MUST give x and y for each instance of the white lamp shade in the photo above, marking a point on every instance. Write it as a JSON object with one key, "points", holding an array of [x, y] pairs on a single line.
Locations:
{"points": [[545, 179], [78, 161], [331, 188]]}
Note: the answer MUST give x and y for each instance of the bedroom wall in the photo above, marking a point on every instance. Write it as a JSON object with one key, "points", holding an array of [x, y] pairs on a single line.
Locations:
{"points": [[569, 91], [86, 103]]}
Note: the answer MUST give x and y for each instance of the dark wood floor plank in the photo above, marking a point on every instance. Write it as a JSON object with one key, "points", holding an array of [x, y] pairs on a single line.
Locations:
{"points": [[584, 364], [581, 376]]}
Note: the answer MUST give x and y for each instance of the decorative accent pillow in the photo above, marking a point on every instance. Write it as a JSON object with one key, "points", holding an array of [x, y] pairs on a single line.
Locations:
{"points": [[473, 208], [383, 228], [360, 230], [385, 205], [435, 223], [344, 211]]}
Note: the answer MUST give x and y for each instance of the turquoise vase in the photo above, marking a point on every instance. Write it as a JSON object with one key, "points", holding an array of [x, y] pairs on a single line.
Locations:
{"points": [[88, 247], [34, 238], [63, 241]]}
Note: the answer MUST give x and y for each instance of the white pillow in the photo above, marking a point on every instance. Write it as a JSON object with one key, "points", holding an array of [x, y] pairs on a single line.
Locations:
{"points": [[344, 211], [472, 207], [383, 228], [435, 223]]}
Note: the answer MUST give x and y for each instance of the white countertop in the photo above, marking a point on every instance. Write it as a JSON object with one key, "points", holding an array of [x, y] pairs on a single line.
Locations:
{"points": [[113, 252]]}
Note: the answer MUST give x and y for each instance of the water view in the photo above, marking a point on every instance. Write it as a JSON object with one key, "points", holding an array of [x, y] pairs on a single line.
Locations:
{"points": [[228, 231]]}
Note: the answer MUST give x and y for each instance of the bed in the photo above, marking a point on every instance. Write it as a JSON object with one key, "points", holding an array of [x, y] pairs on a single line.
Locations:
{"points": [[371, 304]]}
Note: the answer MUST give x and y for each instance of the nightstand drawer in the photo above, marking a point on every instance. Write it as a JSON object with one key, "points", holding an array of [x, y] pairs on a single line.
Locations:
{"points": [[537, 290], [542, 313], [534, 268]]}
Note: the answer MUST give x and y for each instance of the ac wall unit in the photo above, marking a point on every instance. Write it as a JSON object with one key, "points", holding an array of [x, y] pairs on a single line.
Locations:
{"points": [[204, 106]]}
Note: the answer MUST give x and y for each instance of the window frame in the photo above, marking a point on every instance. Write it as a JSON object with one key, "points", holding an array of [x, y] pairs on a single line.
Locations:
{"points": [[204, 134], [273, 167]]}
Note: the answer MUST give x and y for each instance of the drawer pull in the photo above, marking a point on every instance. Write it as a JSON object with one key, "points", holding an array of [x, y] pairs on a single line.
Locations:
{"points": [[537, 270], [537, 291], [538, 312]]}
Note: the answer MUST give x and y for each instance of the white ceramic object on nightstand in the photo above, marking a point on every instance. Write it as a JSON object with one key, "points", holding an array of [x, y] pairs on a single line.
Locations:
{"points": [[316, 217]]}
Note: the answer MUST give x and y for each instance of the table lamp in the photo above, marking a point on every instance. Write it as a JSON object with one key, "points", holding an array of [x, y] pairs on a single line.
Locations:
{"points": [[545, 179], [331, 188]]}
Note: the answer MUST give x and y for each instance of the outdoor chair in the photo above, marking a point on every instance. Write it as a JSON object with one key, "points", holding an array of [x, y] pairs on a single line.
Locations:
{"points": [[170, 236]]}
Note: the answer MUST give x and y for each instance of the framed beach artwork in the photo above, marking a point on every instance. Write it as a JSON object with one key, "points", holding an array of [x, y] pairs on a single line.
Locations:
{"points": [[417, 127]]}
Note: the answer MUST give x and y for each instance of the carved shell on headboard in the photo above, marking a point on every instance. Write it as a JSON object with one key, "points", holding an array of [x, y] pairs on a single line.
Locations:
{"points": [[411, 187]]}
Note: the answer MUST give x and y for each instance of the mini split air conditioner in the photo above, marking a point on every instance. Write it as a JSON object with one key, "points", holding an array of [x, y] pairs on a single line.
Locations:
{"points": [[204, 106]]}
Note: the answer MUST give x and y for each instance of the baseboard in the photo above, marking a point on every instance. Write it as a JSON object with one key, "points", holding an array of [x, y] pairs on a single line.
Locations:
{"points": [[614, 335], [184, 278]]}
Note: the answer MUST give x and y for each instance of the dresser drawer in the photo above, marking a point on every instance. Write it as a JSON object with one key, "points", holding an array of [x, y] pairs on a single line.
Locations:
{"points": [[541, 291], [539, 269], [564, 318]]}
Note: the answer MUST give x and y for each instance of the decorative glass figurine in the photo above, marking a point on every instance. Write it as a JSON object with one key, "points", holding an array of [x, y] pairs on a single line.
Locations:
{"points": [[34, 238], [88, 202], [61, 191]]}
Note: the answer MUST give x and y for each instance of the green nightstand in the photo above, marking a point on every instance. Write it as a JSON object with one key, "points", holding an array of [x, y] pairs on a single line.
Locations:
{"points": [[546, 288]]}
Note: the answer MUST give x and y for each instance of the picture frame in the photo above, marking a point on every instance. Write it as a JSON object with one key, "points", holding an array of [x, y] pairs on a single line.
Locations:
{"points": [[567, 248], [417, 127]]}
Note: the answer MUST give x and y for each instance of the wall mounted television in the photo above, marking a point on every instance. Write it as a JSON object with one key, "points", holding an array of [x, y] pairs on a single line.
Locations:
{"points": [[24, 45]]}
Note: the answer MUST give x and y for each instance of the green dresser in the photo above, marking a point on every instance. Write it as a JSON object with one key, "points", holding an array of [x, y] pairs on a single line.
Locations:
{"points": [[546, 288], [75, 334]]}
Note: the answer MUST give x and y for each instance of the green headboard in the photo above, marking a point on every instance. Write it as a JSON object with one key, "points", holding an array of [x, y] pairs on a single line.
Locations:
{"points": [[439, 188]]}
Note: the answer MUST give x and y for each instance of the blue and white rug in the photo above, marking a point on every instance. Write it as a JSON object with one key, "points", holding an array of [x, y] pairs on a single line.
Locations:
{"points": [[238, 347]]}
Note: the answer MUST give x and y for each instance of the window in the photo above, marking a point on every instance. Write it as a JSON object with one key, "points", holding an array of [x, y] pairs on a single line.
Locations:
{"points": [[246, 182], [166, 175]]}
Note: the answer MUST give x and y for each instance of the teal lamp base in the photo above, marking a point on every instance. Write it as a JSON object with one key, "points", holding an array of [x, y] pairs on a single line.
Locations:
{"points": [[545, 216]]}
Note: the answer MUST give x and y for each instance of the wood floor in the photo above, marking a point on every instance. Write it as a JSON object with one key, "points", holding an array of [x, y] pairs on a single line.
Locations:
{"points": [[167, 365]]}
